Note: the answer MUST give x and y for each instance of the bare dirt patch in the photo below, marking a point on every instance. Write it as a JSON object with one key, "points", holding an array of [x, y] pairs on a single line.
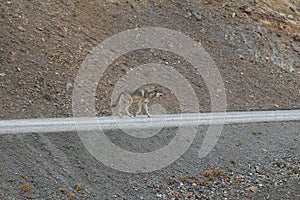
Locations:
{"points": [[44, 42]]}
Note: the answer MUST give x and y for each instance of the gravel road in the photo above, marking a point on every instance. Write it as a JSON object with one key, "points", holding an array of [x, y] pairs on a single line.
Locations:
{"points": [[250, 161]]}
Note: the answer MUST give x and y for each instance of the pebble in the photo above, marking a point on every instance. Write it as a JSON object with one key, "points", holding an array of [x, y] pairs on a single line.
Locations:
{"points": [[291, 69], [255, 180], [21, 28], [69, 86], [197, 15], [290, 17]]}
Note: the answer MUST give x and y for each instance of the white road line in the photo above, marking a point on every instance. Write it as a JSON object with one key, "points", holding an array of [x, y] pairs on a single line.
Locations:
{"points": [[167, 120]]}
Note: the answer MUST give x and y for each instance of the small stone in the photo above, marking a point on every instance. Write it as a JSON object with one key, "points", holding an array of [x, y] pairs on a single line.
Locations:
{"points": [[188, 15], [291, 69], [69, 86], [197, 15], [292, 9], [39, 28], [290, 17], [265, 150], [248, 10], [253, 189], [62, 190], [257, 169], [21, 28]]}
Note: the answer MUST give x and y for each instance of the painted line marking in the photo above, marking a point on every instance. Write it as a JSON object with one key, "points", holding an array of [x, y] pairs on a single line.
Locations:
{"points": [[52, 125]]}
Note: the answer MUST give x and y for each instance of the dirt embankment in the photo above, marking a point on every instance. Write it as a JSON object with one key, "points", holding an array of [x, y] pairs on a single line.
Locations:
{"points": [[43, 43]]}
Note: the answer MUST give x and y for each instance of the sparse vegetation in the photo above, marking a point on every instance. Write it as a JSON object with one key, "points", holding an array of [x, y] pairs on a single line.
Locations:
{"points": [[295, 170], [47, 97], [25, 187], [239, 142], [256, 133]]}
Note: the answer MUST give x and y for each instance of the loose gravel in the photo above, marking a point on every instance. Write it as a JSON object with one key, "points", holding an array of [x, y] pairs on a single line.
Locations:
{"points": [[258, 181]]}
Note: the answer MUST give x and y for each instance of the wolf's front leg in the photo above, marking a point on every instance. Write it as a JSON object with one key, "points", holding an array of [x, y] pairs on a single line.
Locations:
{"points": [[145, 105], [127, 111], [139, 110]]}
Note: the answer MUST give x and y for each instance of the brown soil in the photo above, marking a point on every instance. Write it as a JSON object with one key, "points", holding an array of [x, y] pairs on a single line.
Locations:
{"points": [[43, 43]]}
